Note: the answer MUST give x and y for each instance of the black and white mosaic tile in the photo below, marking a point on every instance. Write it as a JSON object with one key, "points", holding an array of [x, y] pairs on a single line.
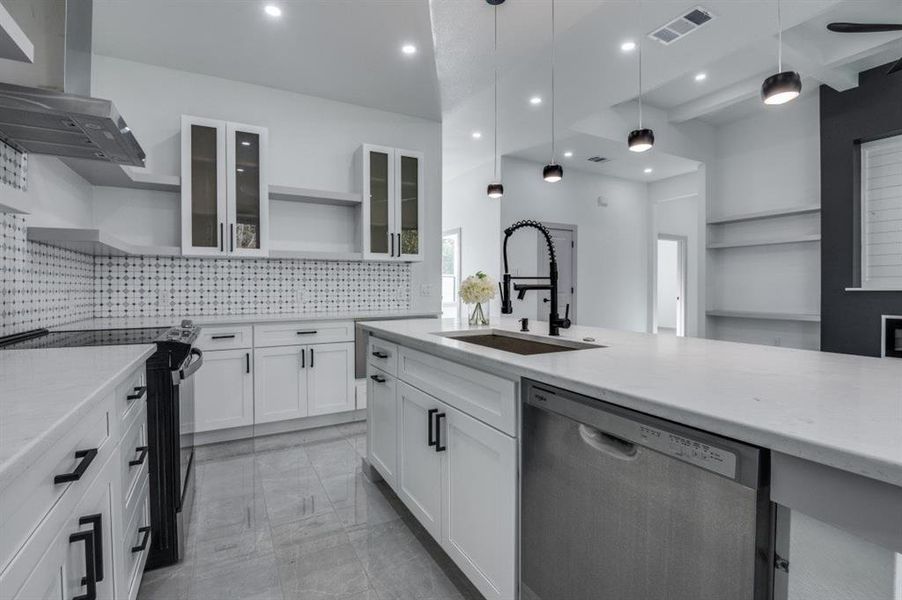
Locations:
{"points": [[13, 167]]}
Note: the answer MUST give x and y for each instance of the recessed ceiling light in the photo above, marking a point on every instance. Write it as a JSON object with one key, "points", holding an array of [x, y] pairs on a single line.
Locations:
{"points": [[535, 100], [568, 154], [409, 49], [477, 135], [647, 170], [701, 76], [628, 46], [272, 10]]}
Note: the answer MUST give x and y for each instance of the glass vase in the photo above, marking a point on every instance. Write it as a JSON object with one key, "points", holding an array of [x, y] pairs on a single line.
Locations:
{"points": [[478, 314]]}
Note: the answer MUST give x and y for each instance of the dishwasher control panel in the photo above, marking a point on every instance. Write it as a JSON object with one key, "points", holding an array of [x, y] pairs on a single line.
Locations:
{"points": [[700, 454]]}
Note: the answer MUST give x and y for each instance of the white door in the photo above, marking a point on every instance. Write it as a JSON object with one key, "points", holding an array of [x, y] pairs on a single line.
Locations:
{"points": [[479, 503], [565, 251], [280, 383], [204, 187], [382, 423], [379, 241], [330, 378], [670, 285], [248, 190], [420, 456], [224, 391], [409, 220]]}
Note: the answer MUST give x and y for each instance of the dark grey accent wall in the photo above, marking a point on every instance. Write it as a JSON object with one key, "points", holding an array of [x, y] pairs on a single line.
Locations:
{"points": [[850, 321]]}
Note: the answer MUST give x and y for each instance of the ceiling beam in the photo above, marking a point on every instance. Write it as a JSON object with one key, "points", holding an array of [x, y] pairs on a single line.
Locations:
{"points": [[797, 54], [722, 98]]}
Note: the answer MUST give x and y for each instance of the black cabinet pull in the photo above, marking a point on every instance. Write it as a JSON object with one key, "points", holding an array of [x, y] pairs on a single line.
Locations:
{"points": [[138, 393], [232, 237], [90, 578], [377, 378], [399, 244], [311, 358], [96, 522], [303, 359], [87, 457], [307, 332], [143, 544], [391, 237], [438, 433], [378, 354], [229, 336], [247, 362], [221, 237], [431, 437], [141, 456]]}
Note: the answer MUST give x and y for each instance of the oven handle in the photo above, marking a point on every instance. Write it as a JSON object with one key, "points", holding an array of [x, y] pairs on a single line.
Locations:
{"points": [[193, 365]]}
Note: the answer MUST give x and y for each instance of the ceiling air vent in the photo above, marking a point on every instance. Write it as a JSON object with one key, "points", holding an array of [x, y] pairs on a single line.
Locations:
{"points": [[681, 26], [597, 159]]}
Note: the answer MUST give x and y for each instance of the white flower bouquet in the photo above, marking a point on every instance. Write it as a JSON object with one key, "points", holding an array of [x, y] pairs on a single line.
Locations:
{"points": [[478, 289]]}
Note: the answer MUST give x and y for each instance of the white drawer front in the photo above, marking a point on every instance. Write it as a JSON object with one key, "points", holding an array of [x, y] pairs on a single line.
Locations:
{"points": [[383, 355], [225, 337], [487, 397], [135, 536], [133, 457], [317, 332], [35, 494]]}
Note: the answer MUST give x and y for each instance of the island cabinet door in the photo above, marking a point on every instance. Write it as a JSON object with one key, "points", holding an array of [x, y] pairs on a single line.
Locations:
{"points": [[382, 423], [224, 391], [419, 459], [479, 507], [330, 378], [280, 384]]}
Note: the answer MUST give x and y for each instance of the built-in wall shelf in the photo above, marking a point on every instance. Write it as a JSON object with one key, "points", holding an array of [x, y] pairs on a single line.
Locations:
{"points": [[765, 315], [14, 44], [766, 242], [95, 242], [315, 255], [767, 214], [97, 172], [311, 196]]}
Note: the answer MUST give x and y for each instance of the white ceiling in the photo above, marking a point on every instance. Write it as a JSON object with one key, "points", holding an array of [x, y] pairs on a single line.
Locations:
{"points": [[346, 51]]}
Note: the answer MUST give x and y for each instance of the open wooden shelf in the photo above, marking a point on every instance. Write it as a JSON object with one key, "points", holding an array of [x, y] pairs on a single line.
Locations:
{"points": [[311, 196], [95, 242], [767, 214], [765, 315], [314, 254], [801, 239]]}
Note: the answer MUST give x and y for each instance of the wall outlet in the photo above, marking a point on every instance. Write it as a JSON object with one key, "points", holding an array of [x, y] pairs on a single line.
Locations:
{"points": [[426, 289]]}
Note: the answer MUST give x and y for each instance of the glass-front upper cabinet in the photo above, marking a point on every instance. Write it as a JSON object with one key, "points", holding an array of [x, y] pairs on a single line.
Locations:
{"points": [[392, 203], [225, 200]]}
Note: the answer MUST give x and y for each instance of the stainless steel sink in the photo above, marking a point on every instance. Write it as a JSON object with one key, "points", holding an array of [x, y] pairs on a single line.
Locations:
{"points": [[517, 343]]}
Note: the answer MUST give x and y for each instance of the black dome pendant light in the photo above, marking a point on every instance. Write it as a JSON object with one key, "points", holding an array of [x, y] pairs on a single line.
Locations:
{"points": [[783, 86], [641, 139], [553, 172], [495, 189]]}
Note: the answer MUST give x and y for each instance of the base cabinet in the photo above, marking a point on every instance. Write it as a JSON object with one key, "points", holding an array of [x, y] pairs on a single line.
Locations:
{"points": [[382, 423], [419, 461], [224, 391], [330, 383], [280, 385]]}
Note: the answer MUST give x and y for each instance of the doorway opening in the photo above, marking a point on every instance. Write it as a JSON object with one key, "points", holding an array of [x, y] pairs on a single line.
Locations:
{"points": [[564, 238], [670, 285], [451, 258]]}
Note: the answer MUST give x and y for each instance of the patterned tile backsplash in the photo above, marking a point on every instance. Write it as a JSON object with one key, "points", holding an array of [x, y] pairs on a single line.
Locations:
{"points": [[13, 167], [41, 286]]}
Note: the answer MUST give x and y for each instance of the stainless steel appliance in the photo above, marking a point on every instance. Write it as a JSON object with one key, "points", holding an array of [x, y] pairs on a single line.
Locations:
{"points": [[170, 420], [619, 505]]}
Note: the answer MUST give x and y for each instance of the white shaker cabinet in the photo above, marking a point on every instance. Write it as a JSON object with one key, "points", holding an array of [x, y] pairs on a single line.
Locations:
{"points": [[393, 193], [382, 423], [330, 383], [225, 191], [280, 384], [419, 457], [224, 391]]}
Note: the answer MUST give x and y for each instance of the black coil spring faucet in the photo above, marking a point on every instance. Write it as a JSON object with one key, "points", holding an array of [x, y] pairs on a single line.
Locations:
{"points": [[555, 322]]}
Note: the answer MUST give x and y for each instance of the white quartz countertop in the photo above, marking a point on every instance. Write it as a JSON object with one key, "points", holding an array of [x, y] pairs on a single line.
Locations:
{"points": [[45, 391], [169, 321], [839, 410]]}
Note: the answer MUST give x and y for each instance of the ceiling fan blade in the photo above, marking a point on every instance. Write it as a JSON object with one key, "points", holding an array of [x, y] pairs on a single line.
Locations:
{"points": [[864, 27], [895, 68]]}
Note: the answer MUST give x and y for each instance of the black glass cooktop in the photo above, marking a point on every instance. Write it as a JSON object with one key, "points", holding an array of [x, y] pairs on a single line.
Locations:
{"points": [[89, 337]]}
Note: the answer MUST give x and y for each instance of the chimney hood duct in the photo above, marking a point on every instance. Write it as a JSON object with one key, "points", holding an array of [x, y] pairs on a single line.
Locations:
{"points": [[60, 118]]}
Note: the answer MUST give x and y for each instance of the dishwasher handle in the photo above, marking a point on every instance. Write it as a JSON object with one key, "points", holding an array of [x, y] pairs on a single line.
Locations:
{"points": [[609, 444]]}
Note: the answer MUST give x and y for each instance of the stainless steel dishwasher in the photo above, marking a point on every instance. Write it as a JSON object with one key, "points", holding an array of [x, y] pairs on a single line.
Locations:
{"points": [[619, 505]]}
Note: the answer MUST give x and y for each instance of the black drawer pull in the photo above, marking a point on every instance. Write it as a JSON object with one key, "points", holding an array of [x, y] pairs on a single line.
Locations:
{"points": [[90, 578], [229, 336], [311, 358], [377, 378], [141, 456], [140, 547], [96, 521], [247, 362], [138, 393], [87, 457], [431, 431], [308, 332], [438, 433], [378, 354]]}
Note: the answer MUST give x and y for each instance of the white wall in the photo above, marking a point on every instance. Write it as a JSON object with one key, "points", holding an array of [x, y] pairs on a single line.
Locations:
{"points": [[612, 249], [668, 282], [56, 197], [312, 142]]}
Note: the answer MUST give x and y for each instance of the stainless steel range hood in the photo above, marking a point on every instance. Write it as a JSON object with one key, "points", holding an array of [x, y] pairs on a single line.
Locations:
{"points": [[58, 117]]}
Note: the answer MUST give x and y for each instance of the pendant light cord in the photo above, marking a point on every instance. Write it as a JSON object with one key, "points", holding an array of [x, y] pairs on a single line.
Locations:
{"points": [[779, 39], [495, 54], [552, 83], [640, 67]]}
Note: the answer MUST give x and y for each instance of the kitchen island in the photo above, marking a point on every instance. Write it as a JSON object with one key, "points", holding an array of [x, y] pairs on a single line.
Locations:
{"points": [[831, 423]]}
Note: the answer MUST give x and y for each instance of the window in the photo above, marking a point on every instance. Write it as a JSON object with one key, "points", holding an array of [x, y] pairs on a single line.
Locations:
{"points": [[450, 272], [881, 214]]}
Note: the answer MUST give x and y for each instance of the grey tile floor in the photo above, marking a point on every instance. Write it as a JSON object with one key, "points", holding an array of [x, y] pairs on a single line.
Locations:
{"points": [[292, 516]]}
